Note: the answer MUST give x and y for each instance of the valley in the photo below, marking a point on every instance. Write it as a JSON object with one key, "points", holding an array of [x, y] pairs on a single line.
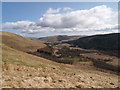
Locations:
{"points": [[36, 63], [64, 53]]}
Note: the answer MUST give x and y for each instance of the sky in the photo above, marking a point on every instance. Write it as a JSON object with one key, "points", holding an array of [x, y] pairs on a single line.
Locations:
{"points": [[40, 19], [60, 0]]}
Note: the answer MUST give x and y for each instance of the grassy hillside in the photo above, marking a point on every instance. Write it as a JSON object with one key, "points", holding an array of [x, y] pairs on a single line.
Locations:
{"points": [[54, 38], [10, 55], [107, 42], [14, 48], [58, 38], [20, 43], [23, 70]]}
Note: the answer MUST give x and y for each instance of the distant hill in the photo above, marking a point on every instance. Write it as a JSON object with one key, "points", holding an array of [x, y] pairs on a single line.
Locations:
{"points": [[106, 42], [59, 38]]}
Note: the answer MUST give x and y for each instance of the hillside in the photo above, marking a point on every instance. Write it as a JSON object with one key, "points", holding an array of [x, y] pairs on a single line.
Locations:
{"points": [[23, 70], [20, 43], [13, 47], [107, 42]]}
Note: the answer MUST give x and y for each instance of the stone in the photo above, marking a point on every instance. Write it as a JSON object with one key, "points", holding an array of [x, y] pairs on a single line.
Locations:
{"points": [[111, 83]]}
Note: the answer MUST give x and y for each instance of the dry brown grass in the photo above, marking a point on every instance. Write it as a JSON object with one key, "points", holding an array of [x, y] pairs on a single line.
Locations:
{"points": [[20, 43], [12, 51], [23, 70]]}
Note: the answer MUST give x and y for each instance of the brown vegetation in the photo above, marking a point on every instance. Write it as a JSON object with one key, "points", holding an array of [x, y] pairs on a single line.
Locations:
{"points": [[23, 70]]}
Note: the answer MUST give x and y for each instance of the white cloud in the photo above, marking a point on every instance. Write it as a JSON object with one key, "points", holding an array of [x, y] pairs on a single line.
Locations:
{"points": [[67, 8], [50, 10], [55, 21], [17, 25], [99, 15]]}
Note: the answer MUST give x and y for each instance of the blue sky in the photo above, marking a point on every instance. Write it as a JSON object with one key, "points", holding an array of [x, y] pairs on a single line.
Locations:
{"points": [[33, 11], [60, 0], [14, 11]]}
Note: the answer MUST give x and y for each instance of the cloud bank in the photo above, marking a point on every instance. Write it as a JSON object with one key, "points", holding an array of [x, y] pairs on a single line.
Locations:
{"points": [[66, 20]]}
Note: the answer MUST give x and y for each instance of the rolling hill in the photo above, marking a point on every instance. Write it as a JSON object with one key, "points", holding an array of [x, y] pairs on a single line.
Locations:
{"points": [[23, 70], [59, 38], [14, 48], [106, 42], [20, 43]]}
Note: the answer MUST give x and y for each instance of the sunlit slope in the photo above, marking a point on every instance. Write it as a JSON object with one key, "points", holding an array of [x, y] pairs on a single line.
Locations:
{"points": [[22, 70], [20, 43], [11, 55], [59, 38], [14, 48]]}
